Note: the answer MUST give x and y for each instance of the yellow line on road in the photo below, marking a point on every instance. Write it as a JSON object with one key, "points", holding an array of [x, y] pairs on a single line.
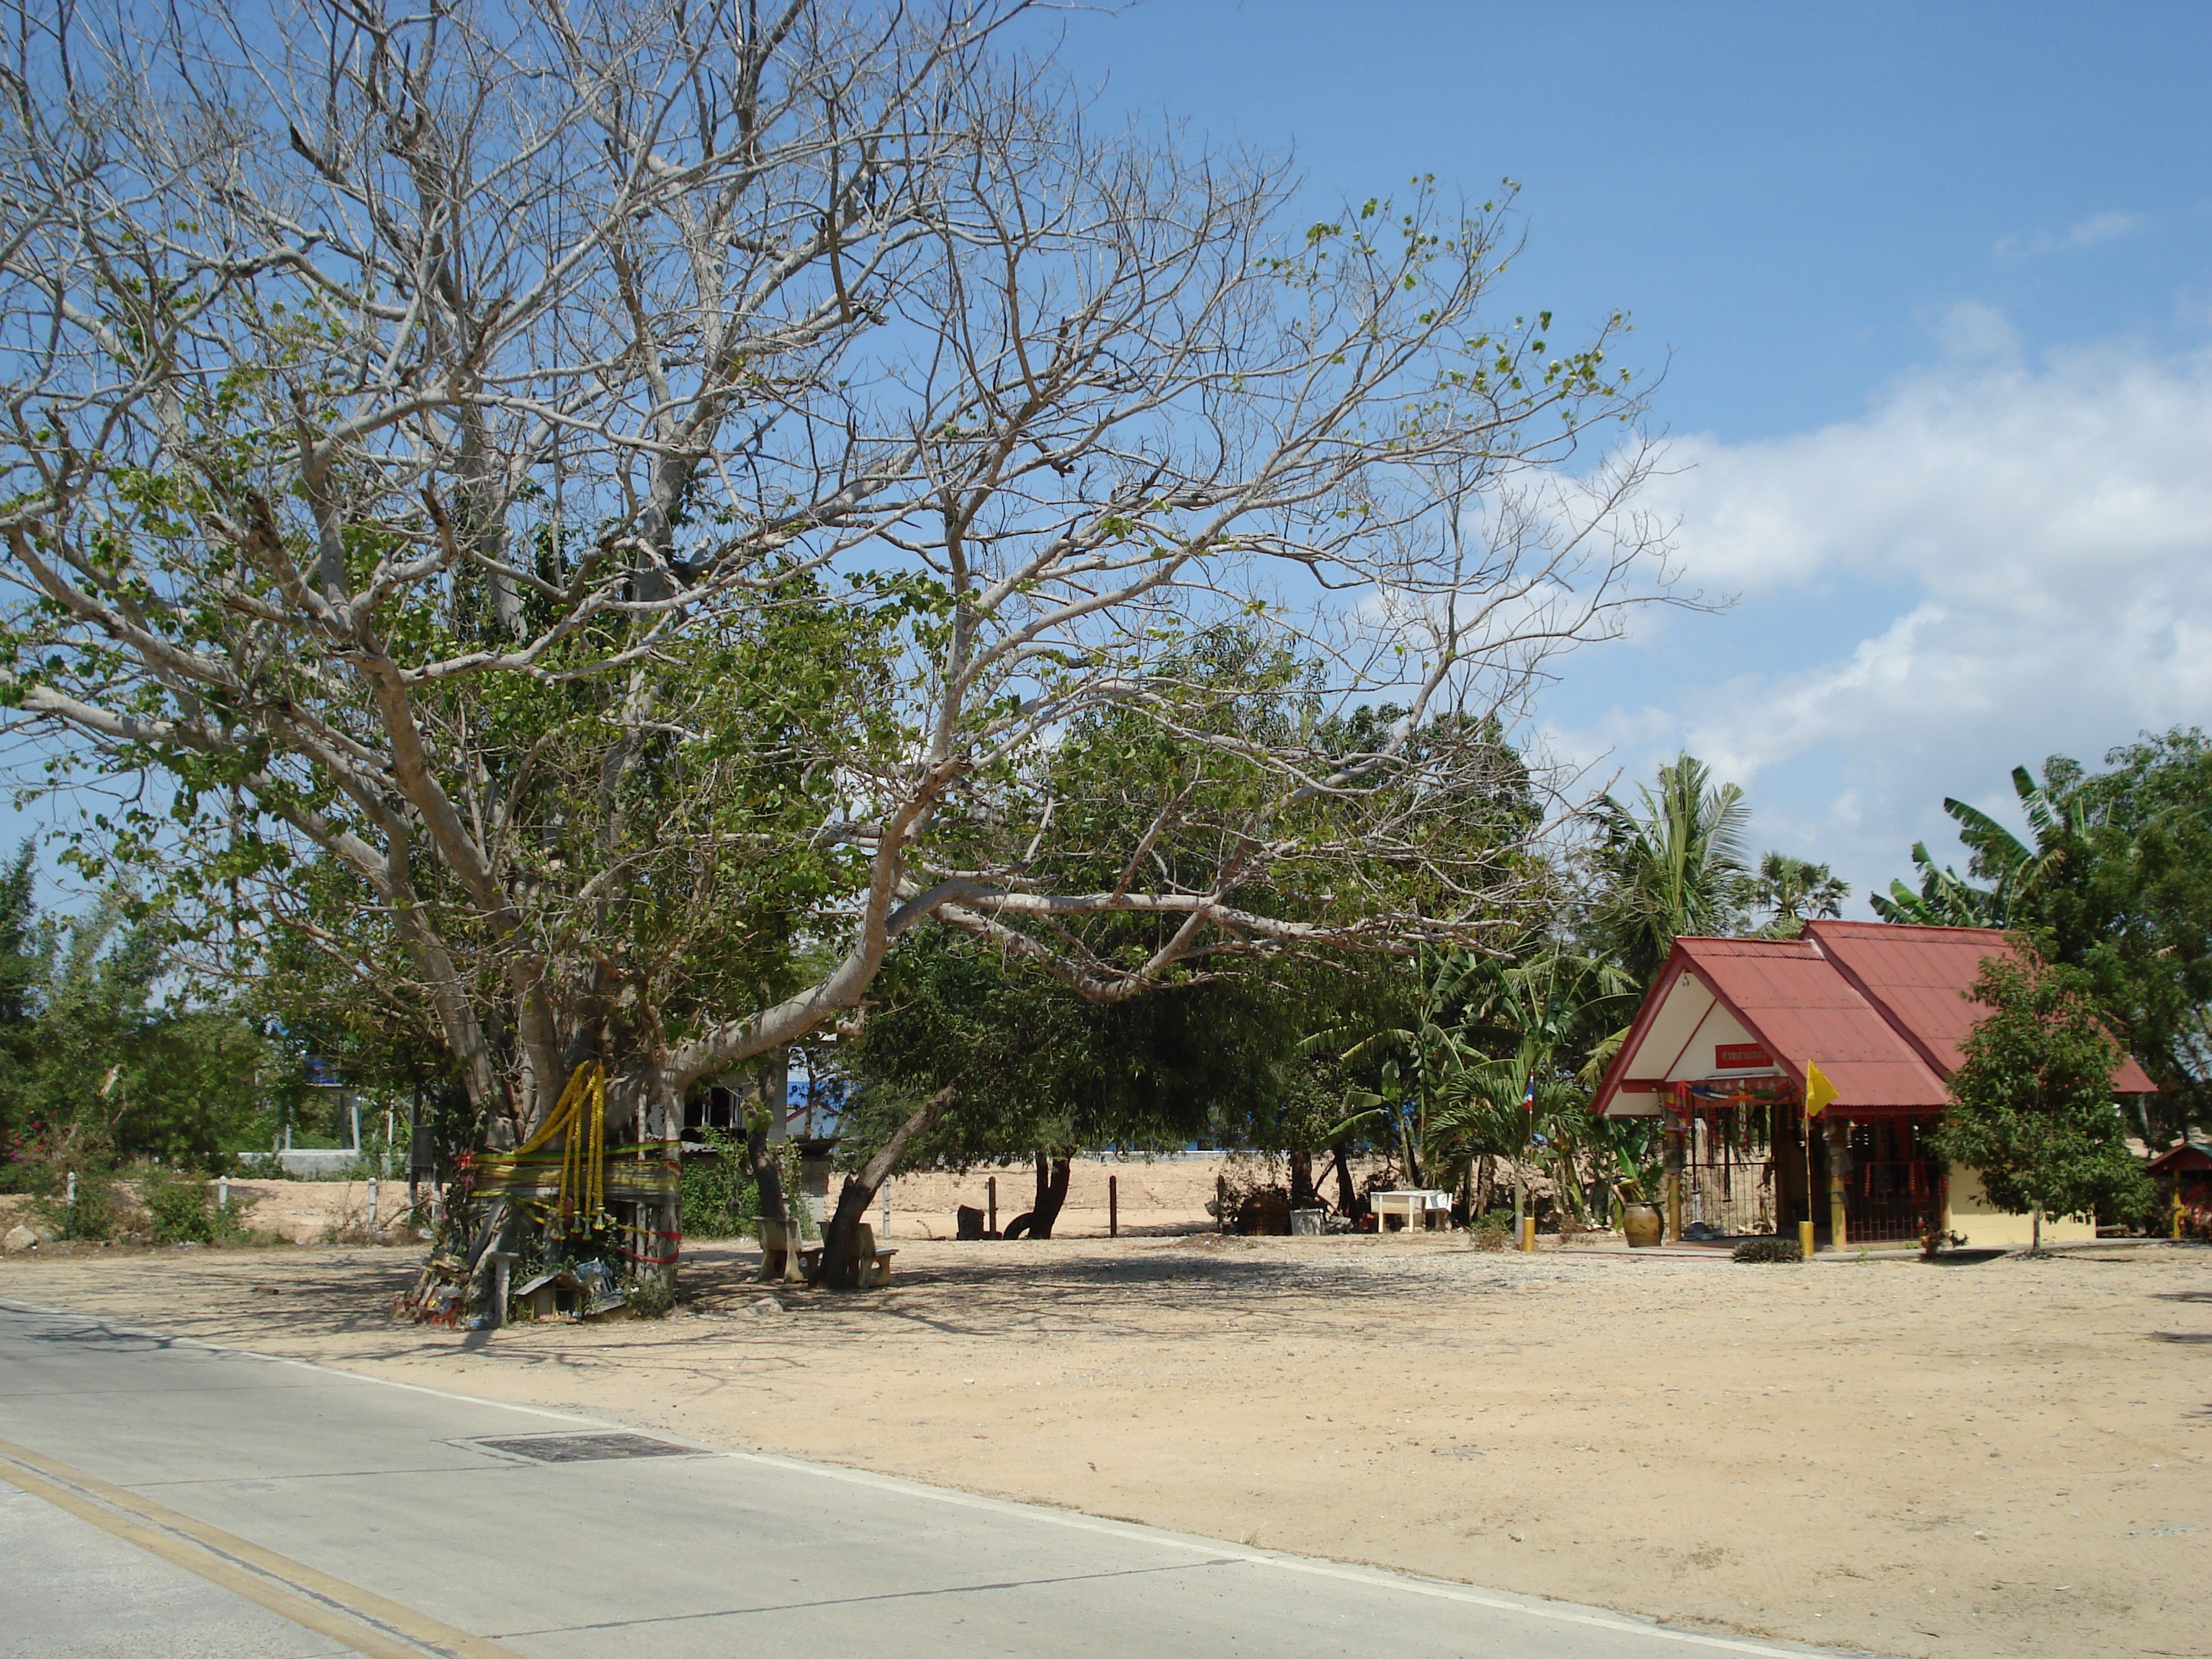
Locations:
{"points": [[365, 1622]]}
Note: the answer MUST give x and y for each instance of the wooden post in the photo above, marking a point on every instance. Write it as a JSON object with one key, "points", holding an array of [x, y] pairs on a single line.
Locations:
{"points": [[1839, 1148], [1221, 1205], [1674, 1162], [1113, 1207], [991, 1190]]}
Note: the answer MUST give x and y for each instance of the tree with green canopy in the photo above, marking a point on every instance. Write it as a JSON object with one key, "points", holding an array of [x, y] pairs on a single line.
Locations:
{"points": [[2032, 1110], [100, 1062], [2114, 879], [636, 492], [2059, 822], [1794, 891]]}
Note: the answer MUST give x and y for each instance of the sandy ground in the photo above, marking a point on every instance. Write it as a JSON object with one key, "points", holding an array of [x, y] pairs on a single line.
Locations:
{"points": [[1166, 1194], [1157, 1195], [301, 1212], [2001, 1459]]}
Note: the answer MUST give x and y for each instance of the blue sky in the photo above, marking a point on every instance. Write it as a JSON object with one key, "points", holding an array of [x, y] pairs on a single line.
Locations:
{"points": [[1932, 286]]}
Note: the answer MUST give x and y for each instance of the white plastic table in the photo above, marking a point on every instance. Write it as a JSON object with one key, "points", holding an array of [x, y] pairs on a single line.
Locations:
{"points": [[1406, 1206]]}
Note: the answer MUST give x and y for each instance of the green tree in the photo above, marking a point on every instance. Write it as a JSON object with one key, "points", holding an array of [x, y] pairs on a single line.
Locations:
{"points": [[1023, 1069], [1540, 1019], [1673, 864], [1794, 891], [19, 968], [1944, 898], [2116, 878], [2061, 818], [2033, 1110], [705, 465], [2135, 913]]}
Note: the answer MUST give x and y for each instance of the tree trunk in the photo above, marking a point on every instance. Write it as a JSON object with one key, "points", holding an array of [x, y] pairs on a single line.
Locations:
{"points": [[842, 1262], [1406, 1145], [1347, 1196], [1302, 1196], [774, 1212], [1051, 1193]]}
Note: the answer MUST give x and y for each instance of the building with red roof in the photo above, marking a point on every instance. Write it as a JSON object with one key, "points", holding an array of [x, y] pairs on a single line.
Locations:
{"points": [[1721, 1048]]}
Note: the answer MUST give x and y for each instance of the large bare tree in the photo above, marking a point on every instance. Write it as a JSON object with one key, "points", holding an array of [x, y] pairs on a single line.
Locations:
{"points": [[600, 517]]}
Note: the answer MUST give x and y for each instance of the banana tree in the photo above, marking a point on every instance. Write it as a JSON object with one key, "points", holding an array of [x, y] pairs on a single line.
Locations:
{"points": [[1529, 1103], [1417, 1063]]}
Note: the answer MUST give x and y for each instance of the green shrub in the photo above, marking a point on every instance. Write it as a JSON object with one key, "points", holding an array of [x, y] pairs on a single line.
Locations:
{"points": [[180, 1210], [650, 1296], [1769, 1249], [94, 1215], [719, 1199]]}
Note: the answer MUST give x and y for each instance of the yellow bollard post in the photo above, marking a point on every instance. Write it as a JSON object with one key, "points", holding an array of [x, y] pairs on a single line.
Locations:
{"points": [[1805, 1238], [1529, 1233]]}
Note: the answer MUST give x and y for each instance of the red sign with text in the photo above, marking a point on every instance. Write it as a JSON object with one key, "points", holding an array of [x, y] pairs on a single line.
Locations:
{"points": [[1740, 1057]]}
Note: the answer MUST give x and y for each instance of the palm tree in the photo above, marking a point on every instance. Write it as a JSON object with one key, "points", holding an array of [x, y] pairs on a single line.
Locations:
{"points": [[1796, 891], [1675, 867]]}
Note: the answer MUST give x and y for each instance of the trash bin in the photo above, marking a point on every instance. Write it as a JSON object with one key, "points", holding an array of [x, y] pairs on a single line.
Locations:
{"points": [[1307, 1223]]}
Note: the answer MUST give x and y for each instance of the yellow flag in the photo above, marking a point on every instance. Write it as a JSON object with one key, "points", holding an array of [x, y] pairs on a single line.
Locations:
{"points": [[1819, 1091]]}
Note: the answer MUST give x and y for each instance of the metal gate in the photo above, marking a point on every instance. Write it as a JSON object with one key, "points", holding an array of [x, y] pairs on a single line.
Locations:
{"points": [[1727, 1173]]}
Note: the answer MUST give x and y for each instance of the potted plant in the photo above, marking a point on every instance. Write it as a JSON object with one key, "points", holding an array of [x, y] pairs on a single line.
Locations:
{"points": [[1641, 1221]]}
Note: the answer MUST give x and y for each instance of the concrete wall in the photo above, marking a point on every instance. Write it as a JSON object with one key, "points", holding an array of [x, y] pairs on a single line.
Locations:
{"points": [[1986, 1227]]}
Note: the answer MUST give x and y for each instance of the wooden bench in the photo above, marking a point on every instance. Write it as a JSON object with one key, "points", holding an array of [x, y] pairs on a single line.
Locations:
{"points": [[876, 1273]]}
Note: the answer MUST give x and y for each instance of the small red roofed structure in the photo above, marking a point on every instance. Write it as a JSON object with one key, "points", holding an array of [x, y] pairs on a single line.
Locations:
{"points": [[2183, 1174], [1720, 1048]]}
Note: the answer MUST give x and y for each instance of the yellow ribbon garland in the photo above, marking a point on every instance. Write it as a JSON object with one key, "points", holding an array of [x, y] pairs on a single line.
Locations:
{"points": [[580, 1118]]}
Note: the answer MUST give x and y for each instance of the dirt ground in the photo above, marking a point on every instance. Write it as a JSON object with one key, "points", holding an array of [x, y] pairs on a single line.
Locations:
{"points": [[2006, 1458], [1151, 1196]]}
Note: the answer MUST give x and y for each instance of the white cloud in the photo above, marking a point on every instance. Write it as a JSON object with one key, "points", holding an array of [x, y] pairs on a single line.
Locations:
{"points": [[1999, 562], [2094, 231]]}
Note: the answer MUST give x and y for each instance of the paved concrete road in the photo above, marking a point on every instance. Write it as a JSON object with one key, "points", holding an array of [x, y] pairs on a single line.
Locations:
{"points": [[158, 1495]]}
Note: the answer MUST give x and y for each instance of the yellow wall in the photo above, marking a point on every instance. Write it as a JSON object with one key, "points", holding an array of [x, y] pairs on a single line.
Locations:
{"points": [[1970, 1212]]}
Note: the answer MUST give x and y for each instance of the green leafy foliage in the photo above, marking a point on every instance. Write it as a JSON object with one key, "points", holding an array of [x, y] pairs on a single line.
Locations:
{"points": [[2114, 878], [721, 1199], [1041, 1068], [2033, 1111], [1768, 1250], [1794, 891], [95, 1065], [180, 1210], [1672, 864]]}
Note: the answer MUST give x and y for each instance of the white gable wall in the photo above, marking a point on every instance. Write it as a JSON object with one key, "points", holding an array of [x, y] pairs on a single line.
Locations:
{"points": [[1678, 1045]]}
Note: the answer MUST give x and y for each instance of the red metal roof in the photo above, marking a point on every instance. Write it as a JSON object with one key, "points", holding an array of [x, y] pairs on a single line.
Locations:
{"points": [[2189, 1154], [1920, 977], [1881, 1008]]}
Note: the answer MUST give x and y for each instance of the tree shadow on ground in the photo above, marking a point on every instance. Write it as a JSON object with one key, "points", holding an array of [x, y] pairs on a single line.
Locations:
{"points": [[1005, 1290]]}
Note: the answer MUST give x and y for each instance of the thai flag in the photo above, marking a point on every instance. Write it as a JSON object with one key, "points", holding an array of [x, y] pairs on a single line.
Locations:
{"points": [[1528, 1095]]}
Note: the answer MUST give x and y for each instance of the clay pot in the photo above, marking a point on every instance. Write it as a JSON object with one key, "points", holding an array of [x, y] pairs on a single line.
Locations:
{"points": [[1643, 1224]]}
